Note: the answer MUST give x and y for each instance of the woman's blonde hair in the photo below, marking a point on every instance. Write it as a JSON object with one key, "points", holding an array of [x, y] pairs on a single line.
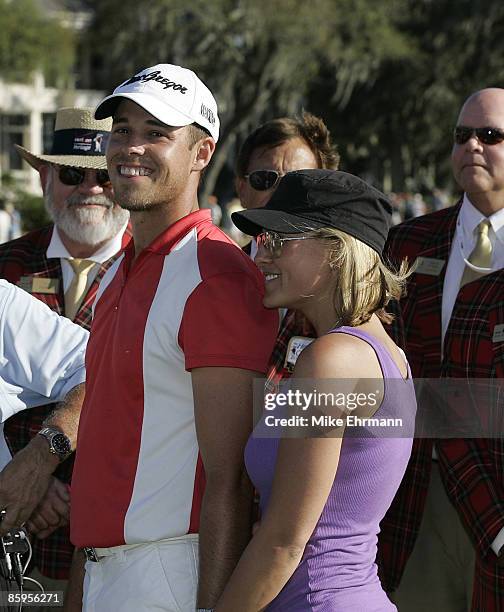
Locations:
{"points": [[365, 285]]}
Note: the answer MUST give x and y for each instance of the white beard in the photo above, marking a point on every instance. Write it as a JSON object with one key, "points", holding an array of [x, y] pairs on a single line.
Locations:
{"points": [[87, 225]]}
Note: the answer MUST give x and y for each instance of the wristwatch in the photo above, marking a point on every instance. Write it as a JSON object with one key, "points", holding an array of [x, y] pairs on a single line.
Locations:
{"points": [[59, 444]]}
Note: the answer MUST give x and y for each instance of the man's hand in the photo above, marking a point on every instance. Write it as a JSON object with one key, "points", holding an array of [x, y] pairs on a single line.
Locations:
{"points": [[24, 481], [52, 512]]}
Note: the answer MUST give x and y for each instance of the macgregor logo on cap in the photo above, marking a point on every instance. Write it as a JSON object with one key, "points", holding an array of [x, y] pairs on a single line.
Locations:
{"points": [[157, 77]]}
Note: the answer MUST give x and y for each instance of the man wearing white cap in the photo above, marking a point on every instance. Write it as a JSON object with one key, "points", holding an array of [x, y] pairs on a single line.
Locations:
{"points": [[62, 265], [179, 333]]}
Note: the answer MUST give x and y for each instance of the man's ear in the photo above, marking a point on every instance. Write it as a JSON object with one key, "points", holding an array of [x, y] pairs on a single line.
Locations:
{"points": [[204, 151], [240, 185], [44, 172]]}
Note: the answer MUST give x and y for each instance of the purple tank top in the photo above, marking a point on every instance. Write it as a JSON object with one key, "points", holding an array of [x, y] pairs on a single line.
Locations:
{"points": [[337, 572]]}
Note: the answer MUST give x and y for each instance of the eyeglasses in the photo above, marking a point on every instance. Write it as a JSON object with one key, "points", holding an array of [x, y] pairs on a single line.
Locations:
{"points": [[262, 180], [273, 242], [486, 135], [69, 175]]}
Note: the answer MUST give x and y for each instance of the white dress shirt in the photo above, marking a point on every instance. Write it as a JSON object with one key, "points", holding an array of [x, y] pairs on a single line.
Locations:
{"points": [[41, 355], [464, 241], [56, 248]]}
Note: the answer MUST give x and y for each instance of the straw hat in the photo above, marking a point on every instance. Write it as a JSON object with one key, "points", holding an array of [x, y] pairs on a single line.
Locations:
{"points": [[80, 140]]}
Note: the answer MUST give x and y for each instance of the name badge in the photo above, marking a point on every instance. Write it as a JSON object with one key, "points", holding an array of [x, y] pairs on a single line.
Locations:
{"points": [[296, 345], [429, 266], [34, 284], [498, 333]]}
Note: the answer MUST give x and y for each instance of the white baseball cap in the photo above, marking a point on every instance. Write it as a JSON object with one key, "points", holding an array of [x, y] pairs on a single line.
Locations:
{"points": [[172, 94]]}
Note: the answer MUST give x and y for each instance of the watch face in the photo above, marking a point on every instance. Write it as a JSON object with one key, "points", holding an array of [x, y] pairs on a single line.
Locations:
{"points": [[61, 444]]}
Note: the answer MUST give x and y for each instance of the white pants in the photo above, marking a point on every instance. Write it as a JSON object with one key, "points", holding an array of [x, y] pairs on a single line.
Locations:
{"points": [[158, 576]]}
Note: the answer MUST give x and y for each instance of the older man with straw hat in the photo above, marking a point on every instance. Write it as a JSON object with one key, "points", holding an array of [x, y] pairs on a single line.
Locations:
{"points": [[62, 265]]}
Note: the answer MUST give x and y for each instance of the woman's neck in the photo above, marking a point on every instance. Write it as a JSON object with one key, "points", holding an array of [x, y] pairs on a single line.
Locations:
{"points": [[321, 315]]}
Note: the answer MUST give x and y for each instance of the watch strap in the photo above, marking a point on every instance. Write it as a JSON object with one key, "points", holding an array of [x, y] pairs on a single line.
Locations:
{"points": [[49, 433]]}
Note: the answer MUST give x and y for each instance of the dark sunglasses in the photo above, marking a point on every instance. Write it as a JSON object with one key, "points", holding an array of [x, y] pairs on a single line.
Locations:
{"points": [[486, 135], [262, 180], [69, 175], [273, 242]]}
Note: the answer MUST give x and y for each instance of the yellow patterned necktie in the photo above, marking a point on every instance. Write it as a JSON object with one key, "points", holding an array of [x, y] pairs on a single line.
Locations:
{"points": [[77, 288], [481, 255]]}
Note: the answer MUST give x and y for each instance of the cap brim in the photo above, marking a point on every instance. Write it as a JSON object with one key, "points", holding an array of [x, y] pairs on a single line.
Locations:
{"points": [[91, 162], [253, 222], [160, 110]]}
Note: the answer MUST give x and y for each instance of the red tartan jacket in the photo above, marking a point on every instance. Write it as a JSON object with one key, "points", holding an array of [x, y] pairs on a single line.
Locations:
{"points": [[26, 257], [471, 469]]}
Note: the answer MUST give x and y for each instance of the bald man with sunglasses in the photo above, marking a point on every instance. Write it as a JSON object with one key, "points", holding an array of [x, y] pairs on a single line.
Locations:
{"points": [[441, 543], [61, 265]]}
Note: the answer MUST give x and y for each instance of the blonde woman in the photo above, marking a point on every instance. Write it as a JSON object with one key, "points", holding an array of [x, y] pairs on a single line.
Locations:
{"points": [[321, 238]]}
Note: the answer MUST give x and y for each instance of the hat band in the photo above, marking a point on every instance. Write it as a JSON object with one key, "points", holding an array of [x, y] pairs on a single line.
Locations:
{"points": [[80, 142]]}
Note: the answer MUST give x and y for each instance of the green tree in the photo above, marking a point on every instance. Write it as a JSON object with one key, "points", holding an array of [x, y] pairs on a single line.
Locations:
{"points": [[31, 41], [257, 57], [397, 125]]}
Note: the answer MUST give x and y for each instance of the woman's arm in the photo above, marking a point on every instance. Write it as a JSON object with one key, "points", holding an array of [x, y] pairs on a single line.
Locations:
{"points": [[304, 476]]}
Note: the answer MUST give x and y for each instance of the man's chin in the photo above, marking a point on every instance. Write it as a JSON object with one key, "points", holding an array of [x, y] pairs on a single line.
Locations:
{"points": [[90, 207], [139, 205], [136, 206], [87, 215]]}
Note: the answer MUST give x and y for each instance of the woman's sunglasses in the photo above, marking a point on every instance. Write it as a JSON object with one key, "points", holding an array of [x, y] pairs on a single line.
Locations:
{"points": [[273, 242], [262, 180], [69, 175], [486, 135]]}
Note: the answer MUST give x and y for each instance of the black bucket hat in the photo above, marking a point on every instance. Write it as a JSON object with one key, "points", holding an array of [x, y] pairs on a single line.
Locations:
{"points": [[312, 199]]}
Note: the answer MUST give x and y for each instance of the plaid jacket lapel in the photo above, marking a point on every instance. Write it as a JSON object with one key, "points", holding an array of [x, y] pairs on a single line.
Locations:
{"points": [[421, 309], [418, 330], [24, 259], [472, 469], [470, 344], [51, 268], [84, 315]]}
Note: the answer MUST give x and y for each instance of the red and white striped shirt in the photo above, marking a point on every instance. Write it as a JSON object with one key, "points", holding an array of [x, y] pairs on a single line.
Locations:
{"points": [[191, 299]]}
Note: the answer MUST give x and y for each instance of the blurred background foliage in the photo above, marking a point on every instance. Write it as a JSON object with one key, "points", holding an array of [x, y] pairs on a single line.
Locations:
{"points": [[32, 40], [387, 77], [29, 206]]}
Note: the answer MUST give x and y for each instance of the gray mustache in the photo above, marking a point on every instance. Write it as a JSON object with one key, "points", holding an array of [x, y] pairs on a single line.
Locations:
{"points": [[98, 200]]}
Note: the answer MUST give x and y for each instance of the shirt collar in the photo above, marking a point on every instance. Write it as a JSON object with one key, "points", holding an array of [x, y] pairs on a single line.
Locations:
{"points": [[470, 217], [57, 249], [166, 240]]}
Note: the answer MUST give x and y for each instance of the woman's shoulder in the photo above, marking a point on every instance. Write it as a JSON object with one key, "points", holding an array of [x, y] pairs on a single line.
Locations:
{"points": [[337, 355]]}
